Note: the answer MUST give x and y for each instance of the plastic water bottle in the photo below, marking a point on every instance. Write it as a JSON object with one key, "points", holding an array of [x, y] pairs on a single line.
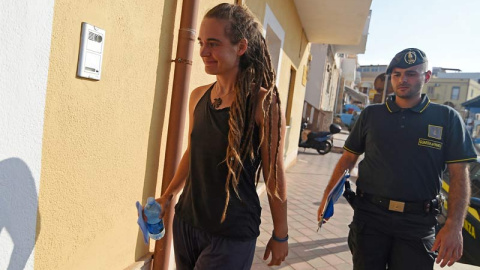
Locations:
{"points": [[154, 223]]}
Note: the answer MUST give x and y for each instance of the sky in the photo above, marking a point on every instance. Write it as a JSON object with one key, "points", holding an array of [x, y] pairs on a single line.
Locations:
{"points": [[447, 31]]}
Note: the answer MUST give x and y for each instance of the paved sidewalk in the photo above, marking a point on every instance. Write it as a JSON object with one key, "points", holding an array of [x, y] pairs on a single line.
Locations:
{"points": [[309, 249]]}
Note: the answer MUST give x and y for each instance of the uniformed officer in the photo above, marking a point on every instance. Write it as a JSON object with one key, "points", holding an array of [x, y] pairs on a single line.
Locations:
{"points": [[407, 142]]}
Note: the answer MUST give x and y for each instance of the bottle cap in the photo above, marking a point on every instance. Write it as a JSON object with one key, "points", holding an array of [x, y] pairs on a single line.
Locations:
{"points": [[150, 200]]}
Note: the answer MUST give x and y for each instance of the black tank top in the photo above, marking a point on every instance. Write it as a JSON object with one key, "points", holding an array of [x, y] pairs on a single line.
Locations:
{"points": [[203, 199]]}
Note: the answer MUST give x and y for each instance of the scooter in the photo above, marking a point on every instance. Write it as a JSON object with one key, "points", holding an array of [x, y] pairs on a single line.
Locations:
{"points": [[321, 141]]}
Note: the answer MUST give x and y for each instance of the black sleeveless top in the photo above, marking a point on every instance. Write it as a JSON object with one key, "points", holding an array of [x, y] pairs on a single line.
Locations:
{"points": [[203, 199]]}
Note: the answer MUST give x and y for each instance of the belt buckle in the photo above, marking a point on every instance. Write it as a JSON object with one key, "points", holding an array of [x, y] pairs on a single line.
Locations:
{"points": [[396, 206]]}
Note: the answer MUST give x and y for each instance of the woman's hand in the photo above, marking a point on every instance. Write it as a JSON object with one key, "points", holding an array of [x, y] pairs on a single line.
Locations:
{"points": [[164, 202], [279, 251]]}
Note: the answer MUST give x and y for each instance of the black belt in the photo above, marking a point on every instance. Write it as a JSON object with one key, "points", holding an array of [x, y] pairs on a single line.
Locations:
{"points": [[430, 206]]}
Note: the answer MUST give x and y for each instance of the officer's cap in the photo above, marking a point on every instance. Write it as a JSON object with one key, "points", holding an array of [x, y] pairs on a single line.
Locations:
{"points": [[407, 58]]}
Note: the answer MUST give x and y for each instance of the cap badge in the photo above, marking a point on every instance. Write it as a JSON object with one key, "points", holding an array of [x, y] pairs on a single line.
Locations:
{"points": [[410, 57]]}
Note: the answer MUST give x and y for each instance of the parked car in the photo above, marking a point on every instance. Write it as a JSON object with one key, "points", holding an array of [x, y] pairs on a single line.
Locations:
{"points": [[347, 119], [349, 115], [471, 226]]}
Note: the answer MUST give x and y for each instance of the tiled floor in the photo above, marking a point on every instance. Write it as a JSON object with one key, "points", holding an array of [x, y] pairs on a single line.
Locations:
{"points": [[309, 249]]}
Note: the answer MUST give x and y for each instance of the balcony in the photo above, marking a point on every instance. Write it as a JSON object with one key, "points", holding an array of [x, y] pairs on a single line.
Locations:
{"points": [[339, 22]]}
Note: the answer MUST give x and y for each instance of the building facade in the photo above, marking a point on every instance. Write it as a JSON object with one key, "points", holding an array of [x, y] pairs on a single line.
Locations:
{"points": [[452, 91], [76, 154], [368, 74], [332, 77]]}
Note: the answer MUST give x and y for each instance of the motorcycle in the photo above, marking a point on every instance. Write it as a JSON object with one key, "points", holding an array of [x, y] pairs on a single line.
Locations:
{"points": [[321, 141]]}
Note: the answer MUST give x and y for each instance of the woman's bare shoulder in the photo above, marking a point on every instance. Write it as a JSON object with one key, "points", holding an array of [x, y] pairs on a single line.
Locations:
{"points": [[198, 93]]}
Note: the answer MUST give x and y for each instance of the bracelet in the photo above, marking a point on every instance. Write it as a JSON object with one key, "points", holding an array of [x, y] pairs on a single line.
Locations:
{"points": [[281, 240]]}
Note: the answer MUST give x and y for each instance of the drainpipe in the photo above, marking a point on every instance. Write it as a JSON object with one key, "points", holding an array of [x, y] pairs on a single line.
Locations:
{"points": [[176, 124]]}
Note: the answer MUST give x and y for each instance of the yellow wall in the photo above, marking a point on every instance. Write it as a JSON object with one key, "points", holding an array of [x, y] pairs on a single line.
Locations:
{"points": [[104, 141], [443, 90], [294, 54], [473, 89], [101, 144]]}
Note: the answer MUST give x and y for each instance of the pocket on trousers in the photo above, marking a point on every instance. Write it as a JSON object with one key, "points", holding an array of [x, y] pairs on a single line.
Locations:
{"points": [[356, 227], [428, 244]]}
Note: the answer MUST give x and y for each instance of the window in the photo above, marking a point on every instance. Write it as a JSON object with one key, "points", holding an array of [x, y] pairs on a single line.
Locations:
{"points": [[431, 90], [367, 69], [455, 93], [374, 69]]}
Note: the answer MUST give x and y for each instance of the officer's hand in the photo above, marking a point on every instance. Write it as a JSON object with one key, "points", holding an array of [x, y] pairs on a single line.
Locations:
{"points": [[279, 252], [321, 209], [449, 243]]}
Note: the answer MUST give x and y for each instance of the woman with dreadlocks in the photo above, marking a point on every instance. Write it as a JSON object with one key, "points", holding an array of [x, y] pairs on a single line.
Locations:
{"points": [[236, 131]]}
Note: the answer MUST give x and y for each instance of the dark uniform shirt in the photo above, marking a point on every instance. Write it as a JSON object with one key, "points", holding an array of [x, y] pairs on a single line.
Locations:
{"points": [[406, 150], [203, 199]]}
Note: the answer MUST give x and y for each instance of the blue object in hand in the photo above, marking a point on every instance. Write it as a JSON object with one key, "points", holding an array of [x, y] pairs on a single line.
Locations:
{"points": [[335, 194], [141, 223], [155, 226]]}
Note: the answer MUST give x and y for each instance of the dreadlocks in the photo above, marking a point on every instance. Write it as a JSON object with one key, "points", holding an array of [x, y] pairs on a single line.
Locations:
{"points": [[255, 71]]}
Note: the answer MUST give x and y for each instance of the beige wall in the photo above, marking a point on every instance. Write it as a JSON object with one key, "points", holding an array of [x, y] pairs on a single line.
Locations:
{"points": [[104, 141], [294, 55], [473, 89], [442, 91], [101, 145]]}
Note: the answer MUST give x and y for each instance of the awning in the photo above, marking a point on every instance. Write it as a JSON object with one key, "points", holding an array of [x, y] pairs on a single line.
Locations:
{"points": [[354, 94], [474, 102]]}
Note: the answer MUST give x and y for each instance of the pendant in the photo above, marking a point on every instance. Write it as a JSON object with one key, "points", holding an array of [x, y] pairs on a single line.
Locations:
{"points": [[217, 102]]}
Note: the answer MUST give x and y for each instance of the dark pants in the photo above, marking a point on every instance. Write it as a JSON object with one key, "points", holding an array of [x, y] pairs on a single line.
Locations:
{"points": [[381, 239], [196, 249]]}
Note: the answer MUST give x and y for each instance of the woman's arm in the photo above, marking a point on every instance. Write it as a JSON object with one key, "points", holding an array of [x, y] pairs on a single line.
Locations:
{"points": [[180, 177], [274, 180]]}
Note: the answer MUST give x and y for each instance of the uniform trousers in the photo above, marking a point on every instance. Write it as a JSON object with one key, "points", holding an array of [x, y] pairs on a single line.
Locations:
{"points": [[380, 239], [197, 249]]}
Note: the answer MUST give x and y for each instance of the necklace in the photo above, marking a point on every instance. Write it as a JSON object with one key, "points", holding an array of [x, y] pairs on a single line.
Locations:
{"points": [[218, 101]]}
